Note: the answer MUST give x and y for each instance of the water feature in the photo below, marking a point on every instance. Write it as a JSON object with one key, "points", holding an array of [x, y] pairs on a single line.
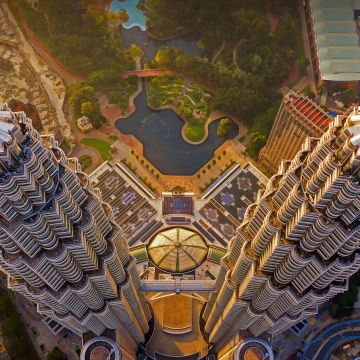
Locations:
{"points": [[160, 131], [160, 134], [136, 17]]}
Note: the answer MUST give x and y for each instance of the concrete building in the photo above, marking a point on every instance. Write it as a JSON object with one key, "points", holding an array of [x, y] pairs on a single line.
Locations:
{"points": [[60, 245], [297, 118], [255, 256], [298, 244], [84, 124], [333, 28]]}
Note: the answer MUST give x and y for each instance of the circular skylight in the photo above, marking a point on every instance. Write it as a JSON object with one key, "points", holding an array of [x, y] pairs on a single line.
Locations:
{"points": [[177, 250]]}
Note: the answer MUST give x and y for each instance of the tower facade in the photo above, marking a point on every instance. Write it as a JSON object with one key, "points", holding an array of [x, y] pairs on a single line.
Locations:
{"points": [[60, 247], [299, 242], [297, 118]]}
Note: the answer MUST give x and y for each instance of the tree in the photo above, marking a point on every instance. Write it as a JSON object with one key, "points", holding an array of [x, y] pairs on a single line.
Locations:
{"points": [[343, 304], [6, 305], [224, 127], [80, 93], [56, 354], [87, 108], [257, 142], [114, 19], [135, 51], [12, 326], [256, 61], [185, 112], [20, 349]]}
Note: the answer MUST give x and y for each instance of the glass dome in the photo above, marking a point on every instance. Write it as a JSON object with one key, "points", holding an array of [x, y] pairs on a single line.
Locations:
{"points": [[177, 250]]}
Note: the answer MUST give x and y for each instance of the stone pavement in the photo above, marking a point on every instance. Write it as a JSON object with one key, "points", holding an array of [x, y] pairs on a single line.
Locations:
{"points": [[175, 344]]}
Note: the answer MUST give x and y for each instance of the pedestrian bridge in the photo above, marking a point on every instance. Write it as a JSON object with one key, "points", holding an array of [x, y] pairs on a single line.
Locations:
{"points": [[177, 285]]}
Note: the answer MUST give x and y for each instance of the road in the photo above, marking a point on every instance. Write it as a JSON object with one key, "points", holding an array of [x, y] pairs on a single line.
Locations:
{"points": [[35, 63], [334, 336]]}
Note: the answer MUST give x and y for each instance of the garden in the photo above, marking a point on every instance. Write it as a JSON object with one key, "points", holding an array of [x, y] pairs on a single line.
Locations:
{"points": [[188, 99], [103, 147]]}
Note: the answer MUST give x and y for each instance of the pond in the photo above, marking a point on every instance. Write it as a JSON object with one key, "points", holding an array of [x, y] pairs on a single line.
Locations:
{"points": [[136, 17], [160, 134]]}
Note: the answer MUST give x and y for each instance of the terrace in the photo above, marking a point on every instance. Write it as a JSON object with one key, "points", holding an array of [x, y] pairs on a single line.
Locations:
{"points": [[229, 199], [130, 206]]}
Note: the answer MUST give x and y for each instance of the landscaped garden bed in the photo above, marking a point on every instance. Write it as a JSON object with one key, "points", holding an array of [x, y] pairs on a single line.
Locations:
{"points": [[187, 99]]}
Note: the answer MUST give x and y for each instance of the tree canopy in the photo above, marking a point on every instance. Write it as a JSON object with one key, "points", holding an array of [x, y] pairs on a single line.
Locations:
{"points": [[252, 59]]}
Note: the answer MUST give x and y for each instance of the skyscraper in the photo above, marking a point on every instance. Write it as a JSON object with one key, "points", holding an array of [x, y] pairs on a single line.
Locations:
{"points": [[299, 242], [297, 118], [60, 247]]}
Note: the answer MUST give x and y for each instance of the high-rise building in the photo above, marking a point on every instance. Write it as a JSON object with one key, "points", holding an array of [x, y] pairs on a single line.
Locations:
{"points": [[297, 118], [261, 267], [60, 246], [299, 242]]}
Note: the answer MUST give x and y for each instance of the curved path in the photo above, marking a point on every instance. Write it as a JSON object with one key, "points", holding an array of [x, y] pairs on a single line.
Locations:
{"points": [[222, 47], [330, 339]]}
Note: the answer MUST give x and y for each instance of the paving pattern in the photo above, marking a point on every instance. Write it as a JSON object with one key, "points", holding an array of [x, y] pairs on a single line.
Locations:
{"points": [[225, 210], [131, 209]]}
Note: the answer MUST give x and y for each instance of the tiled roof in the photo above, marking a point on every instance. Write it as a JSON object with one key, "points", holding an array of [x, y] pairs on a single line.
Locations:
{"points": [[308, 111]]}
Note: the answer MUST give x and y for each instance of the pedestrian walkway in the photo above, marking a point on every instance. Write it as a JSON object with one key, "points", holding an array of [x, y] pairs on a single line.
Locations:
{"points": [[334, 336]]}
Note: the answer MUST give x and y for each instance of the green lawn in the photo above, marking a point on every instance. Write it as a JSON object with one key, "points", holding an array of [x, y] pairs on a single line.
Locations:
{"points": [[102, 146], [113, 137], [195, 132]]}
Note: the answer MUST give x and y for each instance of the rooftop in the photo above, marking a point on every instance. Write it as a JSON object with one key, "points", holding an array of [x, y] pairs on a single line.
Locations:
{"points": [[337, 39], [229, 199], [177, 250], [303, 107]]}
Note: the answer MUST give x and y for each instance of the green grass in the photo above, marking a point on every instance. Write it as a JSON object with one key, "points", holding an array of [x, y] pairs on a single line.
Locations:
{"points": [[113, 137], [102, 146], [195, 132], [85, 161]]}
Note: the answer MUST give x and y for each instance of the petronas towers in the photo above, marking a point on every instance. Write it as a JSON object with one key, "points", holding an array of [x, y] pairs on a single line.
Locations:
{"points": [[298, 244], [59, 245], [296, 248]]}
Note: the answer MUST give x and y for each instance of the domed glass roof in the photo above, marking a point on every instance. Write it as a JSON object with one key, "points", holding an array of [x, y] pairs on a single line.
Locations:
{"points": [[177, 250]]}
